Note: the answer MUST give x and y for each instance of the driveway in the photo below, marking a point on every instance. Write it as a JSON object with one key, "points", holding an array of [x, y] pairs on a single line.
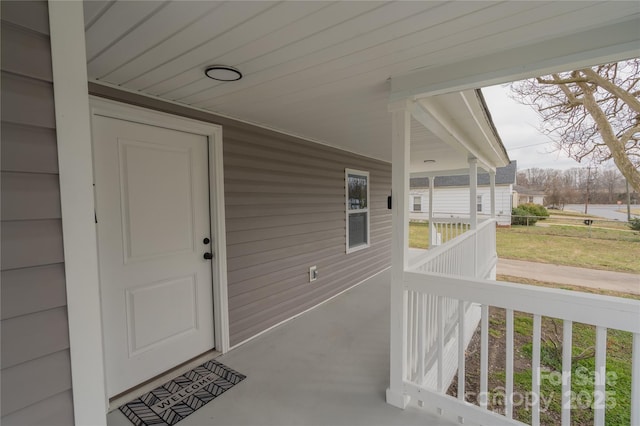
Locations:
{"points": [[593, 278]]}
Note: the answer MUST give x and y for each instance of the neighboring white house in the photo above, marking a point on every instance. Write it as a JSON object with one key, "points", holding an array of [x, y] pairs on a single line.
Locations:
{"points": [[522, 195], [451, 194]]}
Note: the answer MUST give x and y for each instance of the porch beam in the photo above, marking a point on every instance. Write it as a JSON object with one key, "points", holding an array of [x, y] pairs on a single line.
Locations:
{"points": [[609, 43], [455, 172], [473, 192], [401, 147], [492, 192], [430, 117]]}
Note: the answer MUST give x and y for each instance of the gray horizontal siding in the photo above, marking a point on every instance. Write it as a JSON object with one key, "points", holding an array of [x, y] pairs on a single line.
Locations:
{"points": [[26, 52], [51, 375], [27, 101], [28, 337], [45, 281], [285, 211], [28, 149], [56, 410], [32, 15], [28, 243], [36, 368], [274, 232], [28, 196]]}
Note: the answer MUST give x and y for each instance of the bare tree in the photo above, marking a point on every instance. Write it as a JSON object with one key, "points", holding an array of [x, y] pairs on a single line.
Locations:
{"points": [[593, 114], [611, 179]]}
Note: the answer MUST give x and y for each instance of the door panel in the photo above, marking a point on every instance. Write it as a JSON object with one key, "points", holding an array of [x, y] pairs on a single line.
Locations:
{"points": [[151, 174], [175, 298], [152, 209]]}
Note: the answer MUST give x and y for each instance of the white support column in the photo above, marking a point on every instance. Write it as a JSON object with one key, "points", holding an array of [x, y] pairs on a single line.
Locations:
{"points": [[66, 22], [492, 186], [401, 141], [432, 229], [473, 192]]}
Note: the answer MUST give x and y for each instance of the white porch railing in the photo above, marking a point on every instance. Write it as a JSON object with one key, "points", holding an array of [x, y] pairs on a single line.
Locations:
{"points": [[468, 254], [446, 229], [433, 326], [442, 290]]}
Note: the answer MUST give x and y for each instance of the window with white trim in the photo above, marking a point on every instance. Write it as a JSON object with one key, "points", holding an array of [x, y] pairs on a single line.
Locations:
{"points": [[357, 208], [417, 203], [479, 203]]}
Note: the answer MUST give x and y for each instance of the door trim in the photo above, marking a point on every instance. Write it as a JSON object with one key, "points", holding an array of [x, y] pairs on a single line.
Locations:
{"points": [[112, 109]]}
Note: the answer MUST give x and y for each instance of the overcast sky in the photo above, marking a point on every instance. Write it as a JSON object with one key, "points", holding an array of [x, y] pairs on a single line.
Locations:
{"points": [[518, 126]]}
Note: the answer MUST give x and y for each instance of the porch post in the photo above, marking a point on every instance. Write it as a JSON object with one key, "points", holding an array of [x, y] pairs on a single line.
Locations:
{"points": [[473, 192], [432, 229], [69, 65], [492, 186], [401, 141]]}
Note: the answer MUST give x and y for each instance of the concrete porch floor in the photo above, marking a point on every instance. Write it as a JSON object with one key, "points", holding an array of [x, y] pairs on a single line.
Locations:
{"points": [[329, 366]]}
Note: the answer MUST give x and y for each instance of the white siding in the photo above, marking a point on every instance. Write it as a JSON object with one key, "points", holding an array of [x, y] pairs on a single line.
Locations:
{"points": [[454, 201], [535, 199]]}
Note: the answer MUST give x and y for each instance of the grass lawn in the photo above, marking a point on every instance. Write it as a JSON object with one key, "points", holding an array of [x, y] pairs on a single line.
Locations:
{"points": [[570, 214], [612, 250], [633, 211], [618, 385], [419, 235], [520, 280], [581, 246]]}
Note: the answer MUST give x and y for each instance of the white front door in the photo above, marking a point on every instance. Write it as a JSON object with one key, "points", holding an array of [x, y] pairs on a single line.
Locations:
{"points": [[153, 225]]}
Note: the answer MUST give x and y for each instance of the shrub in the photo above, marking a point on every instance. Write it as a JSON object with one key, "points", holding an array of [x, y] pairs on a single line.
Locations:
{"points": [[536, 210], [521, 216], [634, 223]]}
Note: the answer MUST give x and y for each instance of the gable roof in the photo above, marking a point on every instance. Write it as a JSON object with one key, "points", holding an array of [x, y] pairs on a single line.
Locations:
{"points": [[504, 176], [527, 191]]}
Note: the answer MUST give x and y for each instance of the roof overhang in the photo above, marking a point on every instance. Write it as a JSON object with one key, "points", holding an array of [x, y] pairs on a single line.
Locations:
{"points": [[326, 71], [458, 128], [597, 45]]}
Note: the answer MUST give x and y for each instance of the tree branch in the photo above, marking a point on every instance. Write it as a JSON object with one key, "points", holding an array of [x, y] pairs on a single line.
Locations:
{"points": [[628, 134], [558, 80], [610, 87], [615, 146]]}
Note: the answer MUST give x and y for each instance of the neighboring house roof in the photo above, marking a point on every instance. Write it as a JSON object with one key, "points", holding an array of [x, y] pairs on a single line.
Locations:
{"points": [[504, 176], [527, 191]]}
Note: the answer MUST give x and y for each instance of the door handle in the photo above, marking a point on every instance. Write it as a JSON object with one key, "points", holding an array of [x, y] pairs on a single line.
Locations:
{"points": [[208, 256]]}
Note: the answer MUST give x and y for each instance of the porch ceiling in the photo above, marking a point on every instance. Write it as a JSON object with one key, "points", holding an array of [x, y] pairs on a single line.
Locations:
{"points": [[322, 70]]}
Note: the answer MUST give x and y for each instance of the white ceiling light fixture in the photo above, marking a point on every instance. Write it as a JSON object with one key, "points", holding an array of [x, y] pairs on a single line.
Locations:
{"points": [[223, 73]]}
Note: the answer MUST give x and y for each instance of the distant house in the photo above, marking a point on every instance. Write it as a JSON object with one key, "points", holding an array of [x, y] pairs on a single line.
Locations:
{"points": [[522, 195], [451, 195]]}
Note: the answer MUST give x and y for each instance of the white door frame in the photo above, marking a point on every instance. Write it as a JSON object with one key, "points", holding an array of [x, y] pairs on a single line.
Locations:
{"points": [[213, 133]]}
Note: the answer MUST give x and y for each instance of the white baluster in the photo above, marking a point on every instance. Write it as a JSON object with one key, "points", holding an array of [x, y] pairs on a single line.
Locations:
{"points": [[440, 343], [509, 365], [635, 380], [601, 376], [410, 334], [484, 356], [567, 345], [421, 341], [461, 350], [535, 371]]}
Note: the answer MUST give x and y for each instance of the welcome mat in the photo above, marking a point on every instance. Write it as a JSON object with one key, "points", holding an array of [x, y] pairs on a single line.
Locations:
{"points": [[176, 399]]}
